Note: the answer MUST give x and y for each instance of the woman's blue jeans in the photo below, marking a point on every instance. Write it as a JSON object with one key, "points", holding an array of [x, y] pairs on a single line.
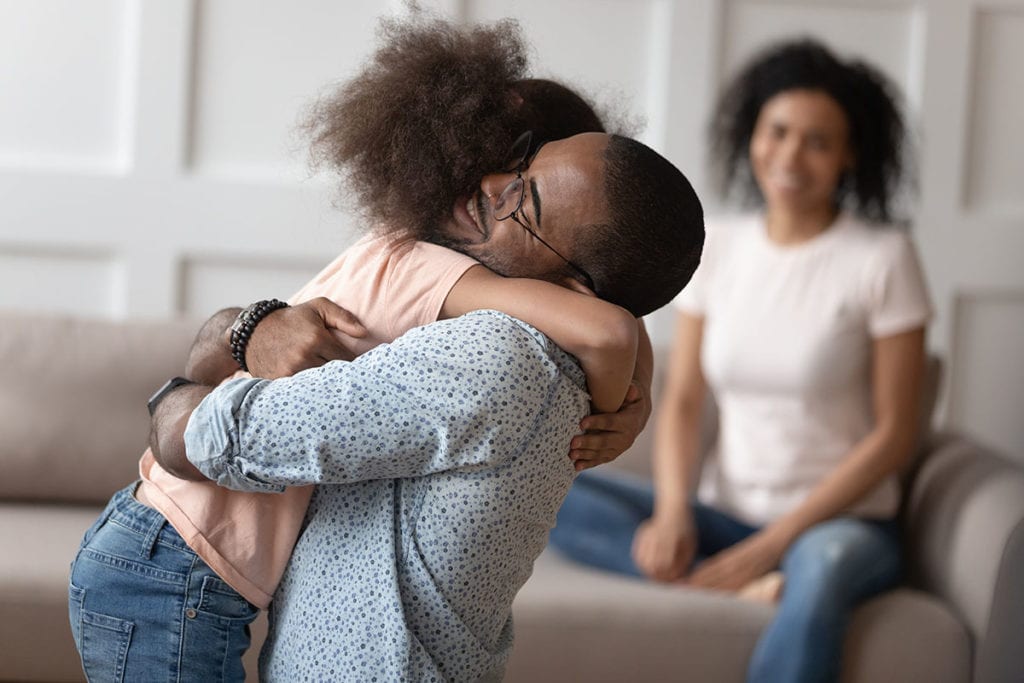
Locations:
{"points": [[828, 570], [144, 607]]}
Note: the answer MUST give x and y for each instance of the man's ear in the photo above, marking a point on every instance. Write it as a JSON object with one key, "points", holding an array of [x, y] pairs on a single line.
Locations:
{"points": [[576, 286]]}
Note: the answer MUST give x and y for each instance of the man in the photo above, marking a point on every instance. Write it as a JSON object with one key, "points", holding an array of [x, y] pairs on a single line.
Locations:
{"points": [[442, 456]]}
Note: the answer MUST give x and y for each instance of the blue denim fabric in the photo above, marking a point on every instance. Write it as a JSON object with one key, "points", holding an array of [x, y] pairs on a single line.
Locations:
{"points": [[144, 607], [602, 512], [829, 569]]}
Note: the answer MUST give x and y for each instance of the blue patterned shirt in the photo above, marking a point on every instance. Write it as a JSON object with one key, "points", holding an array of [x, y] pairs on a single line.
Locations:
{"points": [[443, 458]]}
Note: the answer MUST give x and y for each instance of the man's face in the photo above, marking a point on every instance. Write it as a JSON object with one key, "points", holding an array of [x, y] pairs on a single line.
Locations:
{"points": [[563, 195]]}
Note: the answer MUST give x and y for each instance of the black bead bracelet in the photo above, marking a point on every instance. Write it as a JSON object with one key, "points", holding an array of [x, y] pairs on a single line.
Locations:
{"points": [[246, 322]]}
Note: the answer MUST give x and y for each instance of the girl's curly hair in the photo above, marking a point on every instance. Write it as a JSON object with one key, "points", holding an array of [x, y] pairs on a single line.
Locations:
{"points": [[436, 108], [878, 135]]}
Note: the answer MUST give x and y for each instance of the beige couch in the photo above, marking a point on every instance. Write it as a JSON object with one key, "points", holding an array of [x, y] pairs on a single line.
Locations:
{"points": [[73, 421]]}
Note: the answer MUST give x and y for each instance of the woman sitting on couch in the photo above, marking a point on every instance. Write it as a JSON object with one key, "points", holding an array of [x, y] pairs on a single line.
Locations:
{"points": [[807, 320]]}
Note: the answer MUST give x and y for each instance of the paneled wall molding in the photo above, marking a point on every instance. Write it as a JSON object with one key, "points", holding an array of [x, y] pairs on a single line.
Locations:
{"points": [[149, 164], [986, 375]]}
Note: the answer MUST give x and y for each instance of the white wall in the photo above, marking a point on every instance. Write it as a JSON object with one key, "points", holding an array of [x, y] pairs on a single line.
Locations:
{"points": [[148, 165]]}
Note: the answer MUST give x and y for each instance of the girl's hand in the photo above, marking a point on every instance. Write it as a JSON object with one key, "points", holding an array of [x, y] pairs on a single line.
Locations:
{"points": [[664, 549], [607, 435], [738, 565]]}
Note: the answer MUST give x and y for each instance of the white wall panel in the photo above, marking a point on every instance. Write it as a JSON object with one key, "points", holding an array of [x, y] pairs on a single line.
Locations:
{"points": [[257, 67], [63, 83], [211, 283], [66, 281], [148, 162], [988, 377], [995, 169], [888, 34], [604, 47]]}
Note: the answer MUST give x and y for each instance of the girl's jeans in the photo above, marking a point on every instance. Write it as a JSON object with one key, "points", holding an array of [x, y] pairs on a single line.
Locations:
{"points": [[145, 607], [828, 570]]}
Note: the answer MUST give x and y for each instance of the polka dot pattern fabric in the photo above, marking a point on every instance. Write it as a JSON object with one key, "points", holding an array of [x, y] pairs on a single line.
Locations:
{"points": [[443, 459]]}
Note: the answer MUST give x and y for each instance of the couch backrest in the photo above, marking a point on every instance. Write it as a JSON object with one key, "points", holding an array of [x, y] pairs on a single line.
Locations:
{"points": [[73, 419]]}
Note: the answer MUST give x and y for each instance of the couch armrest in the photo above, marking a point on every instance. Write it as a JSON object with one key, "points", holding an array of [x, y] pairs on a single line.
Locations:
{"points": [[964, 522]]}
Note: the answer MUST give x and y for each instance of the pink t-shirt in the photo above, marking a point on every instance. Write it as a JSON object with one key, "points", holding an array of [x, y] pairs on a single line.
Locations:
{"points": [[247, 538]]}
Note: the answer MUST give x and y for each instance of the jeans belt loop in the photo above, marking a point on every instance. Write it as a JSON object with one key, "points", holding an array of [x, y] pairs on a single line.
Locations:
{"points": [[149, 542]]}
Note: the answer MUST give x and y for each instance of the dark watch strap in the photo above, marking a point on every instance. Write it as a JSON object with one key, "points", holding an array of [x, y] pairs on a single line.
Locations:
{"points": [[162, 392], [246, 322]]}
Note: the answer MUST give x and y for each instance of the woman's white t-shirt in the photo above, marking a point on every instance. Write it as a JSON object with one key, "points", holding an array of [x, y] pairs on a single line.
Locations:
{"points": [[788, 333]]}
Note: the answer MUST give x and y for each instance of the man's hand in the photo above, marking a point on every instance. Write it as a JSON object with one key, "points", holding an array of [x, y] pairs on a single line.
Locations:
{"points": [[738, 565], [664, 549], [300, 337], [607, 436]]}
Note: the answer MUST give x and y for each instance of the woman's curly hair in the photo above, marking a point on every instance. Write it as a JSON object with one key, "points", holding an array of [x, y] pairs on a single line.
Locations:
{"points": [[878, 135], [436, 108]]}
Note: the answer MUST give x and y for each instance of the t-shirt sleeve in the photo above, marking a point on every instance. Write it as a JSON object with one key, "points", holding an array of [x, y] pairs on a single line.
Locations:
{"points": [[898, 300], [416, 281], [391, 286]]}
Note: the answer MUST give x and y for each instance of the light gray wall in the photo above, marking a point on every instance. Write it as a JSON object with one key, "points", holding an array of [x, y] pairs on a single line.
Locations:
{"points": [[148, 165]]}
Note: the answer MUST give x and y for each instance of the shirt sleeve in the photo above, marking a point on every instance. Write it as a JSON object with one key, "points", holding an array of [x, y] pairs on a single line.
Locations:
{"points": [[391, 285], [416, 281], [898, 294], [457, 395]]}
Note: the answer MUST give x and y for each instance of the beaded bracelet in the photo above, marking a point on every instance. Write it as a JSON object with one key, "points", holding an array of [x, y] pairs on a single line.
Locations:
{"points": [[246, 322]]}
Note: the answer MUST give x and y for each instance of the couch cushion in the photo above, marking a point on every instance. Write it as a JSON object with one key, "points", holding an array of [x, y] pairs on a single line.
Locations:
{"points": [[579, 624], [73, 419], [34, 632], [39, 542]]}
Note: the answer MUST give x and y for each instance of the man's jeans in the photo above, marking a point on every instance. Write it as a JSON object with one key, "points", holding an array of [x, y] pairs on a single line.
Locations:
{"points": [[828, 570], [145, 607]]}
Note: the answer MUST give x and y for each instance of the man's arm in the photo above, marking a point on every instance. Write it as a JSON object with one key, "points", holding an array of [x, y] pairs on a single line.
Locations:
{"points": [[286, 341], [283, 343], [209, 363], [209, 360], [462, 394], [167, 430]]}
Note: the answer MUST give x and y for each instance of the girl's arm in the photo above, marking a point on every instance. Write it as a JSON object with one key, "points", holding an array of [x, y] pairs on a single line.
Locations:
{"points": [[602, 336], [606, 436]]}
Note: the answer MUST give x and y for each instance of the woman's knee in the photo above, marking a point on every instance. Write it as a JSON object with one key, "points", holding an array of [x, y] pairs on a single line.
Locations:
{"points": [[844, 551]]}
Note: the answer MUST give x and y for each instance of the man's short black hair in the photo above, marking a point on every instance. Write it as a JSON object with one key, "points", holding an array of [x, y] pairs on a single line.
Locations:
{"points": [[648, 249]]}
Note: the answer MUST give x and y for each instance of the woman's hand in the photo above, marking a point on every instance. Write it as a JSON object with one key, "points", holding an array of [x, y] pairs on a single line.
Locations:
{"points": [[300, 337], [607, 435], [738, 565], [664, 548]]}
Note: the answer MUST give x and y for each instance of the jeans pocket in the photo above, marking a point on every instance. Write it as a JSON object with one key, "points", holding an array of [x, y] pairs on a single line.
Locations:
{"points": [[103, 644], [218, 599], [217, 631]]}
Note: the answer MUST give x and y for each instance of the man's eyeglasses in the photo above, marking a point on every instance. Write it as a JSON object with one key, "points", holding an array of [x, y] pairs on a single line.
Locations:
{"points": [[510, 201]]}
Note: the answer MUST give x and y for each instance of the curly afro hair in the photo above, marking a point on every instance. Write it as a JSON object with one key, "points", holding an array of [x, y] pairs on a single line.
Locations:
{"points": [[436, 108], [878, 135]]}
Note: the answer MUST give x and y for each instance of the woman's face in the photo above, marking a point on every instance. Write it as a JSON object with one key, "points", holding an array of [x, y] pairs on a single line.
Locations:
{"points": [[799, 150]]}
